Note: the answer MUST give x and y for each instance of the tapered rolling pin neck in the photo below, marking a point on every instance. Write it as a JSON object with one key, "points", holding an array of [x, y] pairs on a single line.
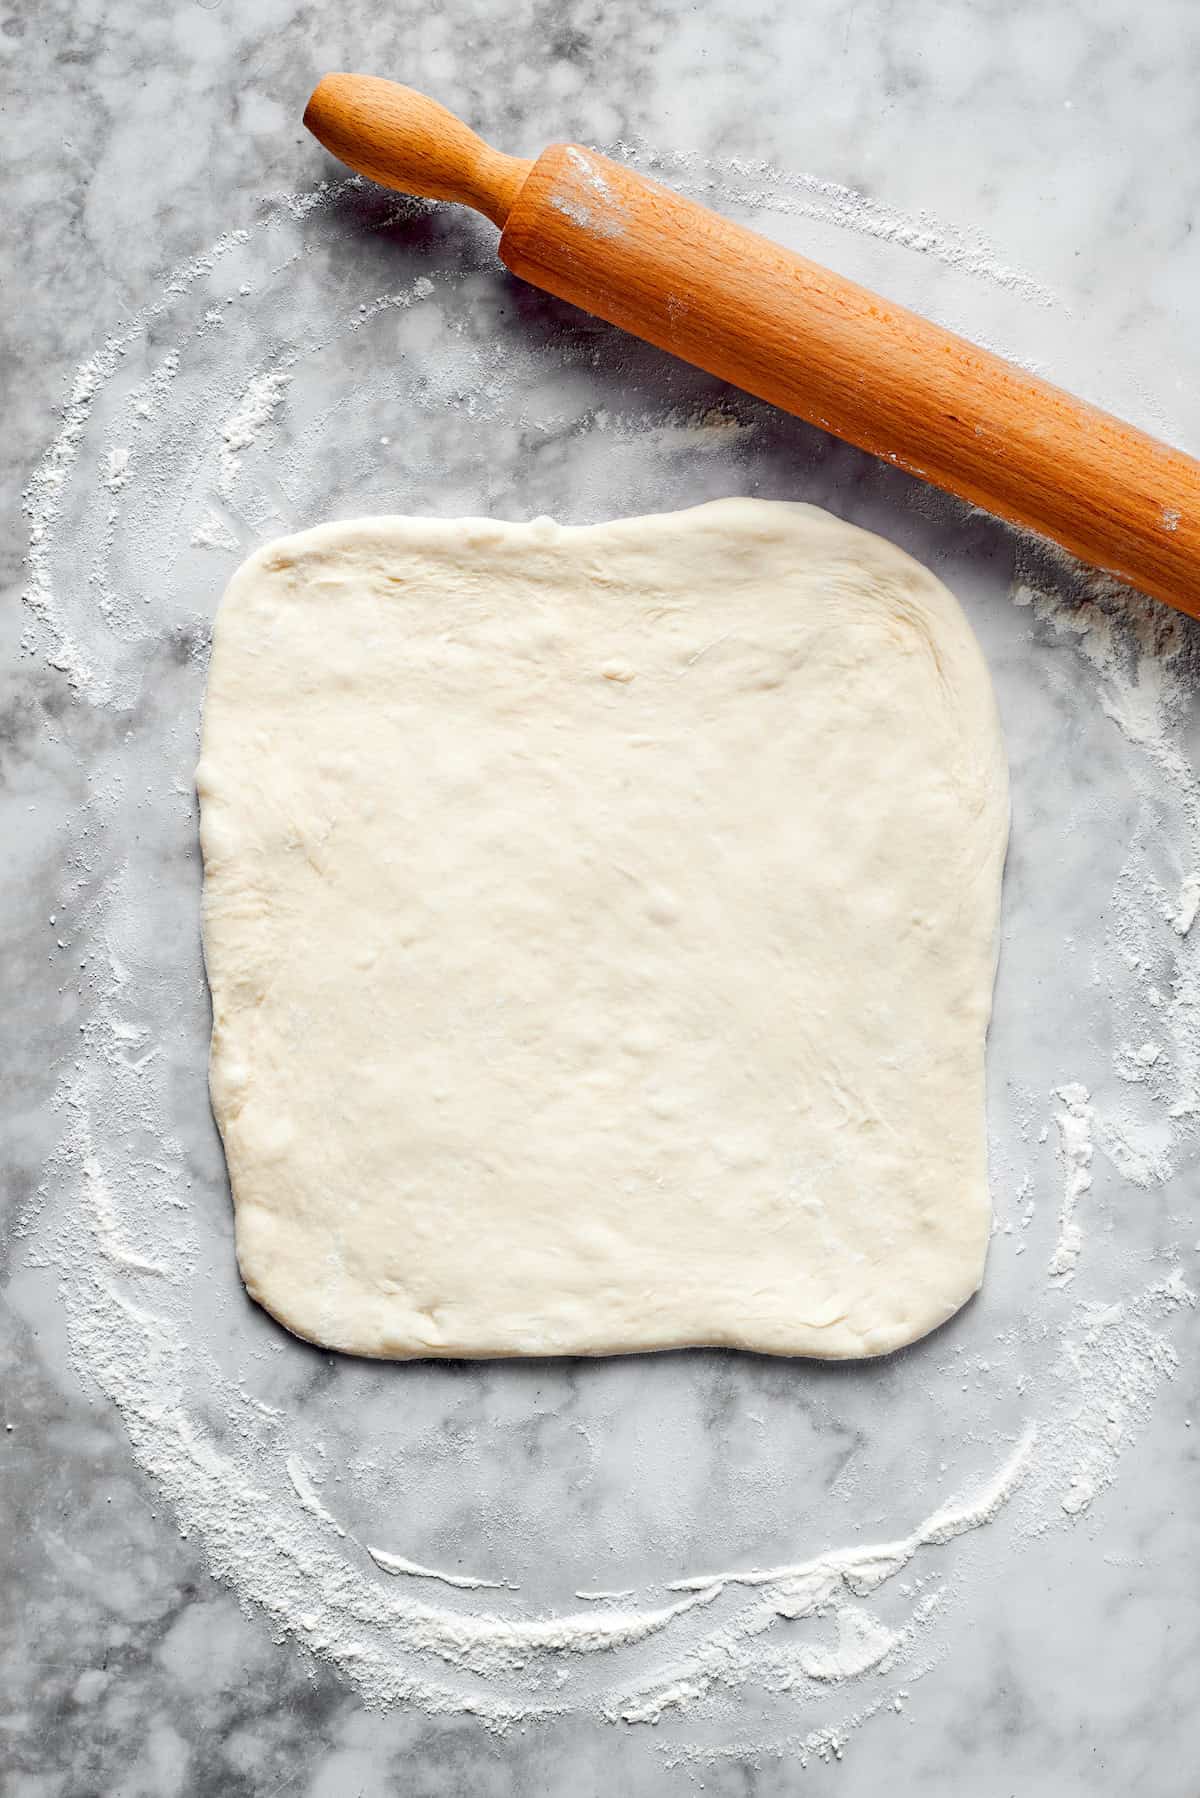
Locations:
{"points": [[406, 141]]}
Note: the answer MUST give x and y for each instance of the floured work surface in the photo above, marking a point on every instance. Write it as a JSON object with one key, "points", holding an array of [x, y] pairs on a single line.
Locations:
{"points": [[601, 928]]}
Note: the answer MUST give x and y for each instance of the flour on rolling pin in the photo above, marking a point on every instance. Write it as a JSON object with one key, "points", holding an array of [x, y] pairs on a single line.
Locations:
{"points": [[589, 200], [793, 1649]]}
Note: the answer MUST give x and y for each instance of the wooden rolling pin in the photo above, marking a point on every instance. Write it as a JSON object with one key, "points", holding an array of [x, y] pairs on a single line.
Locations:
{"points": [[628, 249]]}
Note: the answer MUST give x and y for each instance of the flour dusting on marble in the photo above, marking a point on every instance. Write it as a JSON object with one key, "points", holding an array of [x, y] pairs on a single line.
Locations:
{"points": [[1145, 660], [1074, 1119], [301, 1482], [1111, 1360], [147, 473], [256, 406], [820, 1587], [43, 499]]}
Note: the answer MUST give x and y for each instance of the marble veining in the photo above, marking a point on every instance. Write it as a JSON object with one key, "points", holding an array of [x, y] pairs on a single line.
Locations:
{"points": [[357, 353]]}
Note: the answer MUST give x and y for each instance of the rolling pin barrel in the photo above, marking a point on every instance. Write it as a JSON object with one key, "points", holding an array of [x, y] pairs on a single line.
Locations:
{"points": [[627, 249]]}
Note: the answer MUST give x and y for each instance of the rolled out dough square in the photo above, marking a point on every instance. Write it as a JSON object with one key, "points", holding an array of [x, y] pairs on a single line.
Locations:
{"points": [[601, 928]]}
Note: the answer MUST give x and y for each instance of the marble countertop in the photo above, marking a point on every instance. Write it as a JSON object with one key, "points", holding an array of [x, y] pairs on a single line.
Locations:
{"points": [[218, 338]]}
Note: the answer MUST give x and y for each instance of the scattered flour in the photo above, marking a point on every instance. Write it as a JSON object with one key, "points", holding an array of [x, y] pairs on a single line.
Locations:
{"points": [[213, 533], [255, 409], [1111, 1361], [401, 300], [1187, 905], [862, 1569], [302, 1486], [862, 1644], [116, 468], [42, 501], [1075, 1123], [814, 1588]]}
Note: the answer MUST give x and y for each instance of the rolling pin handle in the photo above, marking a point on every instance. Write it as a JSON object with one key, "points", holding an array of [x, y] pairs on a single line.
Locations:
{"points": [[406, 141]]}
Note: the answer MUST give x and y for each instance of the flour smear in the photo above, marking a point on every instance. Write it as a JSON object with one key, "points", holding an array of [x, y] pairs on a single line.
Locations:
{"points": [[229, 409]]}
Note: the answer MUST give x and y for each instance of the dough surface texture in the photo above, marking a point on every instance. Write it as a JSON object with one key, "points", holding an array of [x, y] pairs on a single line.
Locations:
{"points": [[601, 926]]}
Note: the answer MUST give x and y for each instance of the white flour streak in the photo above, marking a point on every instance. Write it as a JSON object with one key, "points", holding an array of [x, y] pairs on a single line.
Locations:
{"points": [[108, 1230], [1136, 646], [255, 410], [1145, 659], [400, 301], [43, 498], [861, 1644], [1074, 1123], [1187, 905], [862, 1569], [116, 468], [302, 1486], [467, 1582], [812, 1588], [213, 533], [1112, 1359], [1138, 1148]]}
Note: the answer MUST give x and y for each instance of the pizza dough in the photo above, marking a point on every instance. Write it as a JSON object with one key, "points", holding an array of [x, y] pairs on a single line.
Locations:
{"points": [[601, 927]]}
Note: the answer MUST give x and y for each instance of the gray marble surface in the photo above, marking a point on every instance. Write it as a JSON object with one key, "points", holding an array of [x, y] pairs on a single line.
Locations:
{"points": [[186, 1490]]}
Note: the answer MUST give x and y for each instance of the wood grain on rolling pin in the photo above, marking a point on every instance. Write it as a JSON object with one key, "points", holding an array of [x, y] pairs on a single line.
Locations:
{"points": [[802, 337]]}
